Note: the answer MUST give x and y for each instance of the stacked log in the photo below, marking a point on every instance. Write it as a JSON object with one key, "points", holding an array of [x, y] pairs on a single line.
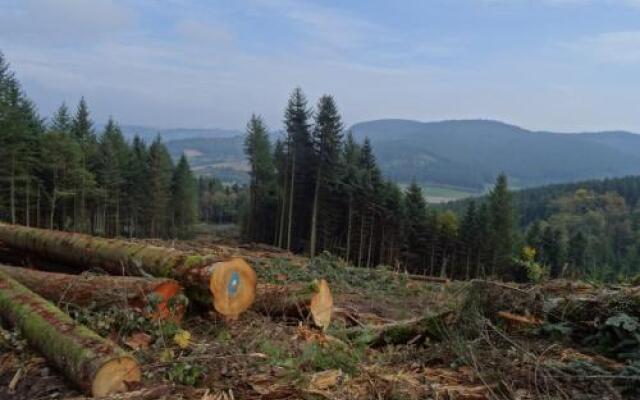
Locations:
{"points": [[229, 283], [312, 302], [96, 365], [162, 296]]}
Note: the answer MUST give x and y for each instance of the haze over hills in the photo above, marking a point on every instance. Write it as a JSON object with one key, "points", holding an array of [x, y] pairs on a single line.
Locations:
{"points": [[470, 153], [149, 133], [463, 154]]}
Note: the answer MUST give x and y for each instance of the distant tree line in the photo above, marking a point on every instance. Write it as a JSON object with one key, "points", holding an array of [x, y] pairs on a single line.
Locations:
{"points": [[590, 231], [219, 203], [62, 174], [589, 228]]}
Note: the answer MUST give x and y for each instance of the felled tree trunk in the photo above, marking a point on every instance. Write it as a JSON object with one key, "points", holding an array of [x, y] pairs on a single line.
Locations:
{"points": [[403, 332], [313, 301], [160, 296], [426, 278], [228, 283], [96, 365]]}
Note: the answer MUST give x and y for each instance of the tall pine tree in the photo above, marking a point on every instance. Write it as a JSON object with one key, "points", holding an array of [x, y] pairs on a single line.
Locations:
{"points": [[327, 137], [257, 147]]}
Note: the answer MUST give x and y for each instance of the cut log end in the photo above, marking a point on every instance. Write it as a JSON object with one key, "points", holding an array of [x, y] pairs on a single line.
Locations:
{"points": [[169, 306], [114, 375], [233, 286], [321, 306]]}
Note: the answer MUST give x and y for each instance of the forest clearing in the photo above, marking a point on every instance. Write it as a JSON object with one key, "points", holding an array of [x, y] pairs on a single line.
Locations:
{"points": [[388, 335], [210, 200]]}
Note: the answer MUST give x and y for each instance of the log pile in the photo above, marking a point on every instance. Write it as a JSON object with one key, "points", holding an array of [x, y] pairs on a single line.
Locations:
{"points": [[227, 283], [160, 295], [148, 278]]}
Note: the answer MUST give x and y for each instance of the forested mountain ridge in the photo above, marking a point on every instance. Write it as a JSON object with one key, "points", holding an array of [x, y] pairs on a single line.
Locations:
{"points": [[471, 153], [466, 153]]}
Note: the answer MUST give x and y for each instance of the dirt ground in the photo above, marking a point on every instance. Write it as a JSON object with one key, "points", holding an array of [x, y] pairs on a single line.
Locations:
{"points": [[478, 356]]}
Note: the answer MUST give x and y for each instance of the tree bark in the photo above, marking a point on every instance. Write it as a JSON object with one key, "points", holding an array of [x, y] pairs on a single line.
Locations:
{"points": [[12, 190], [160, 295], [349, 224], [28, 203], [361, 239], [290, 220], [96, 365], [314, 214], [283, 210], [229, 283], [427, 278], [312, 302]]}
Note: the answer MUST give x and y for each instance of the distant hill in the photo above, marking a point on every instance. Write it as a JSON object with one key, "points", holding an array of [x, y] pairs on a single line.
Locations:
{"points": [[451, 155], [470, 153], [222, 157], [149, 133]]}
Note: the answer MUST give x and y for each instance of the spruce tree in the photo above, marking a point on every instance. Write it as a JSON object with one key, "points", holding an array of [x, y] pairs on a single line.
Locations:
{"points": [[327, 137], [261, 216], [184, 199], [350, 179], [61, 121], [415, 217], [61, 172], [280, 160], [160, 168], [469, 236], [20, 130], [502, 225], [138, 188], [112, 162], [300, 151], [82, 131]]}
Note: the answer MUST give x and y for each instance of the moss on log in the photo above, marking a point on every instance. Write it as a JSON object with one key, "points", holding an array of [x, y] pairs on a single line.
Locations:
{"points": [[96, 365], [161, 297], [313, 301], [227, 283]]}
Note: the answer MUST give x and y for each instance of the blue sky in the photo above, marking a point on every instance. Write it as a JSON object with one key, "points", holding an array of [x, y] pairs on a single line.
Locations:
{"points": [[565, 65]]}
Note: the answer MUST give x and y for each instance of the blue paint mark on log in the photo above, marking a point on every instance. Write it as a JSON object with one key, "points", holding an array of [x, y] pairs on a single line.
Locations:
{"points": [[232, 286]]}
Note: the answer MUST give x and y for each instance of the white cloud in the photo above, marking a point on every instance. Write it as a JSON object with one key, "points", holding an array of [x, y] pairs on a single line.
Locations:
{"points": [[610, 47], [325, 25], [560, 3], [194, 70], [193, 30], [64, 22]]}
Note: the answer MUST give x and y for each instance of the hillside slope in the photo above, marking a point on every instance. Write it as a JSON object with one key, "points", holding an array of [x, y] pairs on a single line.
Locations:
{"points": [[462, 154], [149, 133], [471, 153]]}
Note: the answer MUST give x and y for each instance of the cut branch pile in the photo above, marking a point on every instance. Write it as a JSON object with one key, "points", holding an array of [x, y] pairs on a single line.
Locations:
{"points": [[411, 331]]}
